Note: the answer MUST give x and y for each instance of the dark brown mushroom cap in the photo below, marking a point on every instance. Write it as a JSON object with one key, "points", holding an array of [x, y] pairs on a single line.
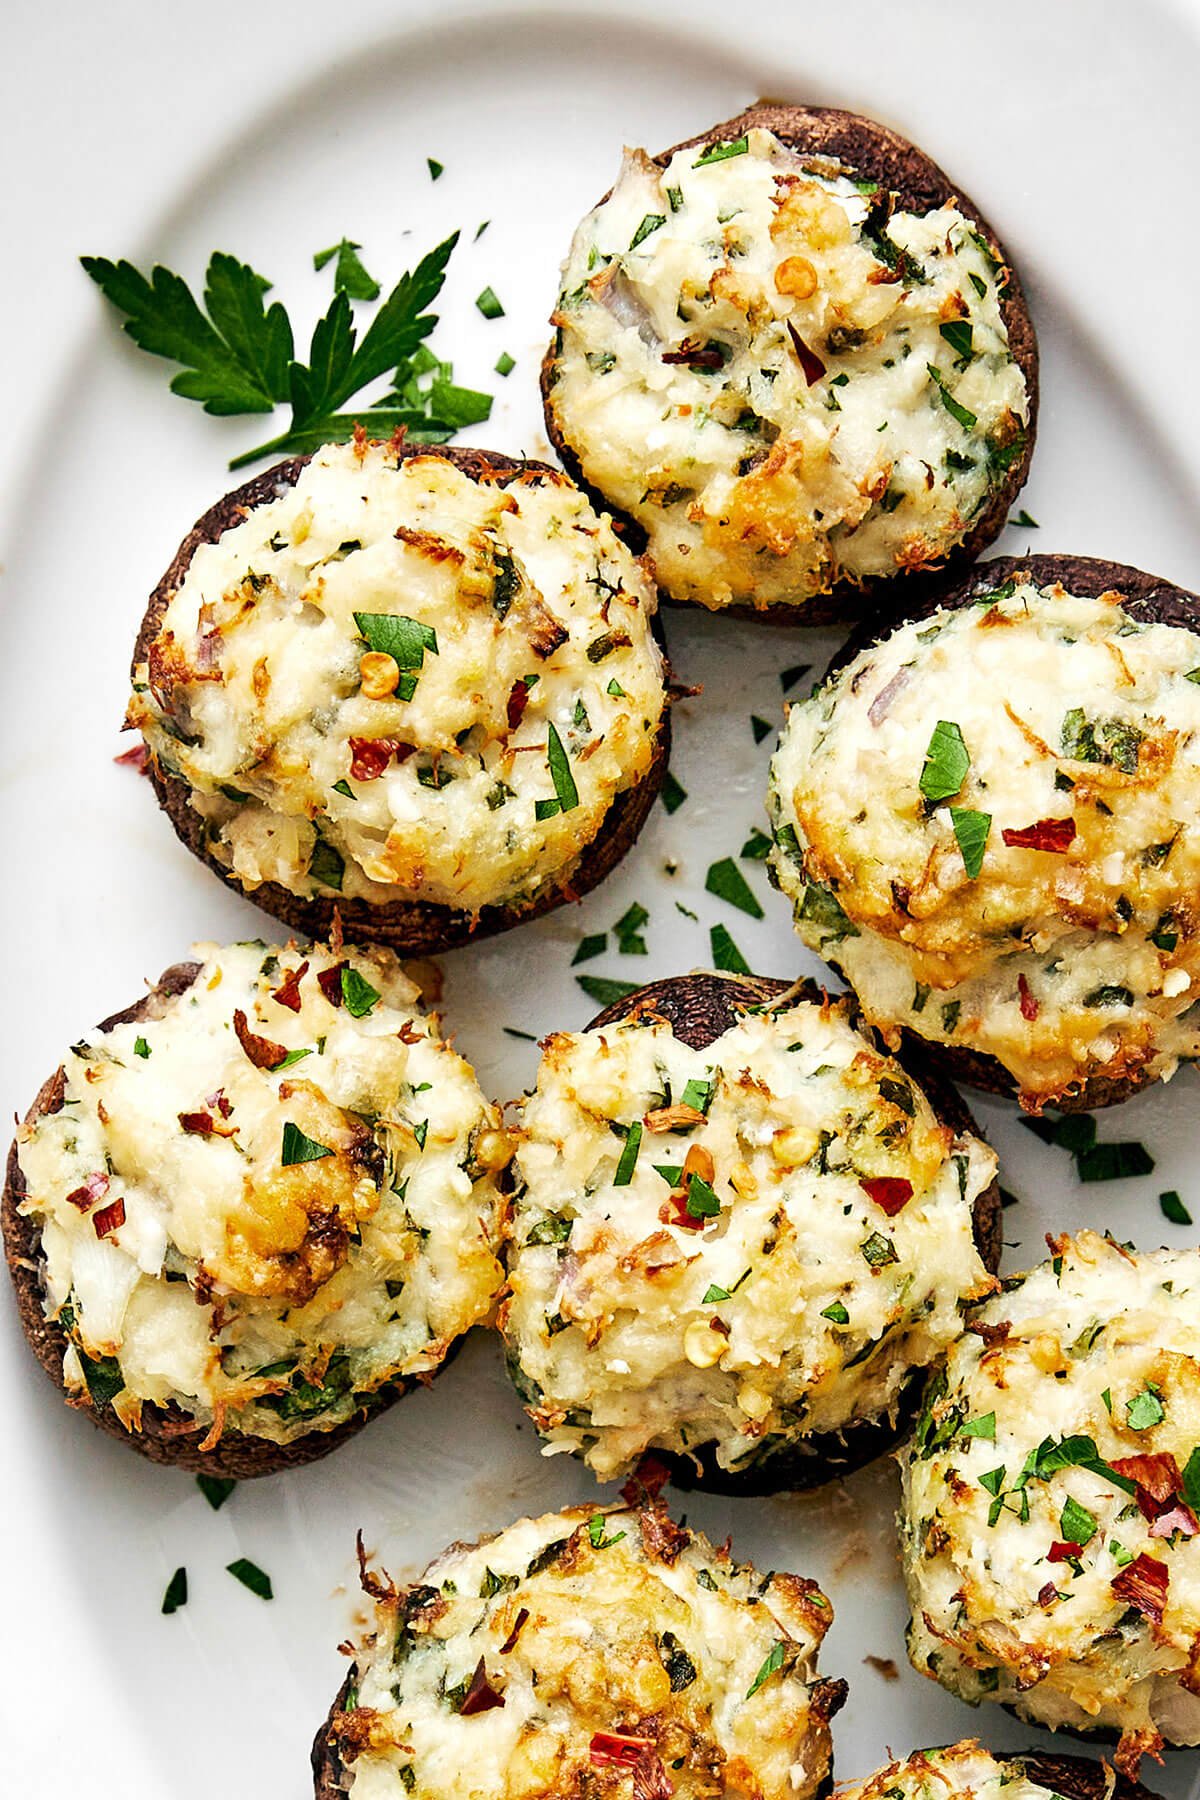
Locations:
{"points": [[873, 152], [409, 927], [1147, 598], [167, 1434], [699, 1008], [1078, 1778]]}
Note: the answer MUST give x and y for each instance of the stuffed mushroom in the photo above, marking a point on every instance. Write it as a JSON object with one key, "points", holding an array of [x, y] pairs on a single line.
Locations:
{"points": [[984, 821], [738, 1235], [251, 1210], [589, 1652], [966, 1771], [420, 687], [798, 360], [1050, 1498]]}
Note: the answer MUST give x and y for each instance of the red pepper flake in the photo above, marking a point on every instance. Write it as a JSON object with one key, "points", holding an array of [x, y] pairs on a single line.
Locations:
{"points": [[518, 700], [221, 1102], [198, 1124], [650, 1779], [518, 1627], [1157, 1478], [1055, 835], [619, 1748], [1144, 1585], [94, 1188], [695, 354], [1029, 1006], [1048, 1595], [647, 1481], [330, 983], [891, 1193], [262, 1052], [408, 1034], [811, 364], [481, 1696], [369, 757], [136, 757], [288, 992], [1178, 1518], [1062, 1552], [109, 1218]]}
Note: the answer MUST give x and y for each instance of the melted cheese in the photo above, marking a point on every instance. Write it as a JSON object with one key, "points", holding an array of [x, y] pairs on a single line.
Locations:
{"points": [[1103, 1344], [522, 619], [1062, 964], [963, 1771], [800, 1307], [850, 399], [632, 1626], [292, 1237]]}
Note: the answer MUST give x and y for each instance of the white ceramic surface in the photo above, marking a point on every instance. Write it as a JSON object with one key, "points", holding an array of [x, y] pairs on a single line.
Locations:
{"points": [[271, 130]]}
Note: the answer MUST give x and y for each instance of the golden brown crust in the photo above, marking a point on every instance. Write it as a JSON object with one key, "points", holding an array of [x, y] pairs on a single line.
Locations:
{"points": [[828, 1697], [699, 1008], [410, 928], [877, 153], [1149, 598], [166, 1436]]}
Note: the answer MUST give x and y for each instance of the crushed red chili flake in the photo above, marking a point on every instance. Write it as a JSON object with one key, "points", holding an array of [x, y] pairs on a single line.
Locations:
{"points": [[647, 1481], [198, 1124], [136, 757], [696, 355], [369, 757], [109, 1218], [288, 992], [518, 700], [1029, 1006], [1178, 1518], [480, 1696], [619, 1747], [407, 1034], [891, 1193], [221, 1102], [330, 983], [1055, 835], [263, 1053], [650, 1779], [1047, 1595], [810, 362], [1156, 1476], [1144, 1585], [94, 1188], [518, 1627], [1060, 1551]]}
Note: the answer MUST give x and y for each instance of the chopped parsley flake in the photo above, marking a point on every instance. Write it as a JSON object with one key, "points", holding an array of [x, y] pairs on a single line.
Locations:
{"points": [[971, 830], [300, 1149], [1145, 1410], [489, 305], [177, 1592], [671, 794], [725, 953], [946, 762], [604, 991], [141, 1047], [216, 1489], [595, 944], [727, 882], [1173, 1208], [251, 1576], [775, 1656], [629, 1155]]}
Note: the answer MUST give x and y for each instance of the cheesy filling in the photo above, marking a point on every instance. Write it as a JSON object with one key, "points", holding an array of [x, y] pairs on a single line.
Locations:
{"points": [[268, 1197], [786, 379], [591, 1652], [1043, 909], [738, 1247], [1050, 1493], [397, 682], [963, 1771]]}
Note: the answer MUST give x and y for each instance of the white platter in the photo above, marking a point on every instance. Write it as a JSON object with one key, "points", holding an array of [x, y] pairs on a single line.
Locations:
{"points": [[272, 130]]}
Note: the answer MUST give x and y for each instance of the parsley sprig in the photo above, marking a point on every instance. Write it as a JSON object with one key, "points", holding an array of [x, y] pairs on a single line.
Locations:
{"points": [[238, 354]]}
